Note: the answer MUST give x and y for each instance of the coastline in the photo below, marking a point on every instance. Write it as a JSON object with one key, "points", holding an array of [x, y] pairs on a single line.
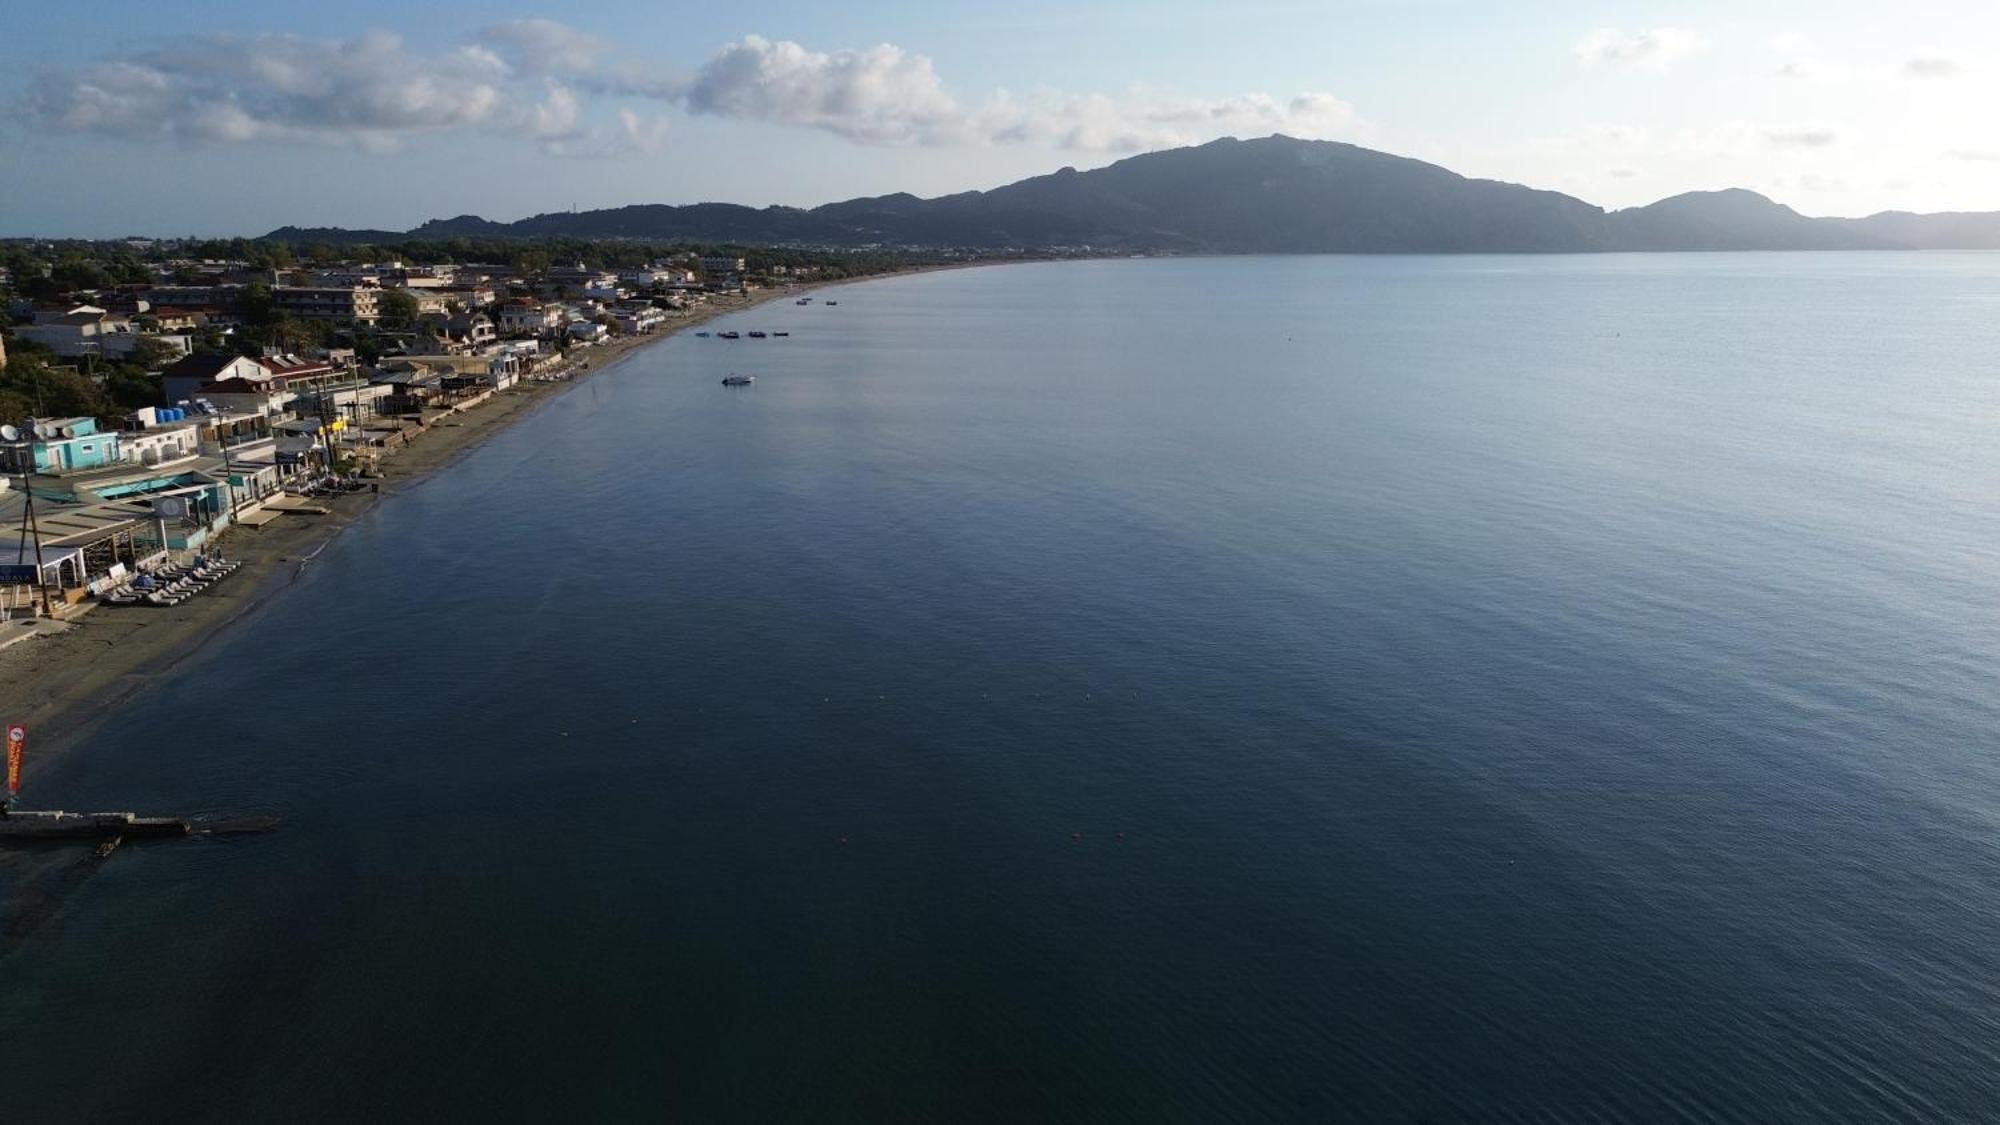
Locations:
{"points": [[63, 684]]}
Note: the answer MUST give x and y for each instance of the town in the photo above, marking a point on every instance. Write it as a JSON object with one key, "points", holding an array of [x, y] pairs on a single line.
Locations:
{"points": [[155, 397]]}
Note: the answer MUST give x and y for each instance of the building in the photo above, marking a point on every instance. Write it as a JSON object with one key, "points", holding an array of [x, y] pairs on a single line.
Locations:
{"points": [[357, 304], [155, 437], [184, 379], [718, 266], [638, 318], [470, 296], [83, 545], [459, 334], [525, 316], [192, 500], [58, 445], [73, 335]]}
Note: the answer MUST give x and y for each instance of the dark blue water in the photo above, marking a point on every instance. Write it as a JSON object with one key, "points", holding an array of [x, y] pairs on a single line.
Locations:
{"points": [[1238, 689]]}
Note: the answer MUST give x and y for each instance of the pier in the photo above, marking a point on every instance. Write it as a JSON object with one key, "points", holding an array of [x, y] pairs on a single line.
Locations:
{"points": [[59, 825]]}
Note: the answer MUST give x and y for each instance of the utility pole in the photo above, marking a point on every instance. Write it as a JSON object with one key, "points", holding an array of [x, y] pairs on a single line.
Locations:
{"points": [[228, 470], [31, 528]]}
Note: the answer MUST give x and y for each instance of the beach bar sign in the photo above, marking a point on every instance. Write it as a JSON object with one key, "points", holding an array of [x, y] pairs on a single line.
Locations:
{"points": [[17, 744]]}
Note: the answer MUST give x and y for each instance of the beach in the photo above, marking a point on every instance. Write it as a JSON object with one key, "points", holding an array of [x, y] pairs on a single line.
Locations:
{"points": [[61, 685]]}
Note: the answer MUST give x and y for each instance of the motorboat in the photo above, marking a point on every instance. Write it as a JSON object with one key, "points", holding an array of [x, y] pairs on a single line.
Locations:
{"points": [[757, 334], [738, 380], [729, 335]]}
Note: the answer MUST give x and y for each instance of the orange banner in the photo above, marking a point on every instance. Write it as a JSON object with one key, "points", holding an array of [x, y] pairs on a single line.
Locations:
{"points": [[17, 744]]}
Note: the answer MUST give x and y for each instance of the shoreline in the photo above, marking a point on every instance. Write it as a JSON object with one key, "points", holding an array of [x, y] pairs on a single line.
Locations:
{"points": [[63, 685]]}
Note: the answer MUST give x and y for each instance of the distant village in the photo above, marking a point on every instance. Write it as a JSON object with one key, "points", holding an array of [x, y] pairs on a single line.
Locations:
{"points": [[151, 404]]}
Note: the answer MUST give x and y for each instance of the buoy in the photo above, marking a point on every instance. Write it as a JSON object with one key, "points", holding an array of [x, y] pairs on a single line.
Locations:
{"points": [[1121, 835], [1076, 835]]}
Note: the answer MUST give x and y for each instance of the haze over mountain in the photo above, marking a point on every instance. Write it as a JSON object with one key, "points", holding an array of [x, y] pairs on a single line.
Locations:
{"points": [[1271, 195]]}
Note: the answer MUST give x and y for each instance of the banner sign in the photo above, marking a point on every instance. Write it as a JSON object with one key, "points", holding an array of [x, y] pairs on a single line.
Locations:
{"points": [[18, 574], [17, 744]]}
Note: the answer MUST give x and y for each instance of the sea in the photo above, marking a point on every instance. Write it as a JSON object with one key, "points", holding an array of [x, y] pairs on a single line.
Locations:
{"points": [[1197, 689]]}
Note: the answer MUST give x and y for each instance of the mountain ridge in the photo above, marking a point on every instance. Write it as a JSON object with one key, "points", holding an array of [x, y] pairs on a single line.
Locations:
{"points": [[1273, 194]]}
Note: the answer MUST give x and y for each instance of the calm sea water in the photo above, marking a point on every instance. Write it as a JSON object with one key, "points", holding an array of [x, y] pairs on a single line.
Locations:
{"points": [[1234, 689]]}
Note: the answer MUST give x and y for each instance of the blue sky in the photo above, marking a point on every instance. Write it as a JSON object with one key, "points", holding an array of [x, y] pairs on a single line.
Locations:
{"points": [[235, 117]]}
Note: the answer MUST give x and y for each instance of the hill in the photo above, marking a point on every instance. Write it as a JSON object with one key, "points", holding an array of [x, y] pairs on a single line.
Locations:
{"points": [[1271, 195]]}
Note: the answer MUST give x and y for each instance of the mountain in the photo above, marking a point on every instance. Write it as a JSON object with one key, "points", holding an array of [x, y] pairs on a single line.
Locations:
{"points": [[1271, 195], [1732, 220]]}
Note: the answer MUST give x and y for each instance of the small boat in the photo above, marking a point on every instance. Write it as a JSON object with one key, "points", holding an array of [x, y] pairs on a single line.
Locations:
{"points": [[701, 333], [729, 335], [738, 380], [757, 334], [833, 302], [781, 333], [803, 301]]}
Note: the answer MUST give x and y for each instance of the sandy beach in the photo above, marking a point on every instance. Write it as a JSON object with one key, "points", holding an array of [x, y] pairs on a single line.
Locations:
{"points": [[61, 685]]}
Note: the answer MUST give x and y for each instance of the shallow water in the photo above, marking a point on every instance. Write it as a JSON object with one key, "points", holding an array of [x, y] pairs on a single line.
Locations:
{"points": [[1206, 689]]}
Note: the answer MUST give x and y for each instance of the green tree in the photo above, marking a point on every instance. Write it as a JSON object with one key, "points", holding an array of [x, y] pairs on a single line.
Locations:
{"points": [[258, 306], [398, 309], [31, 385]]}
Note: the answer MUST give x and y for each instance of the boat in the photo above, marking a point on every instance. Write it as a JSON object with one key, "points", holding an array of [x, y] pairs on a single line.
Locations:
{"points": [[833, 302], [757, 334], [803, 301], [729, 335], [738, 380], [701, 333], [781, 333]]}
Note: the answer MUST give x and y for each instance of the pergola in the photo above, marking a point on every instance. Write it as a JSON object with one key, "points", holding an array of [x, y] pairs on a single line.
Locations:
{"points": [[78, 540]]}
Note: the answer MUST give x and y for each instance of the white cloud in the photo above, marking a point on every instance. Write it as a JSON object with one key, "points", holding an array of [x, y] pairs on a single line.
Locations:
{"points": [[641, 134], [1931, 65], [540, 81], [887, 96], [880, 95], [1656, 49], [1798, 136], [369, 92], [538, 46], [557, 115]]}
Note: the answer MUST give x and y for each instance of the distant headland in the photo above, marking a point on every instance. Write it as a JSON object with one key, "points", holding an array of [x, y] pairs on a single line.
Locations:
{"points": [[1276, 194]]}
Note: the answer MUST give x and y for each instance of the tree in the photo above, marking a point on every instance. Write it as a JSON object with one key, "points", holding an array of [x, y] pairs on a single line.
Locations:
{"points": [[31, 385], [398, 310], [151, 355], [259, 308]]}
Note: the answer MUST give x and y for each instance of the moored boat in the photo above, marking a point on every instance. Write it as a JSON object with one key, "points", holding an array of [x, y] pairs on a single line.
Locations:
{"points": [[738, 380]]}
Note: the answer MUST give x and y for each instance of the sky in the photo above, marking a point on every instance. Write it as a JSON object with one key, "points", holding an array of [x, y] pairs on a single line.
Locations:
{"points": [[234, 117]]}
